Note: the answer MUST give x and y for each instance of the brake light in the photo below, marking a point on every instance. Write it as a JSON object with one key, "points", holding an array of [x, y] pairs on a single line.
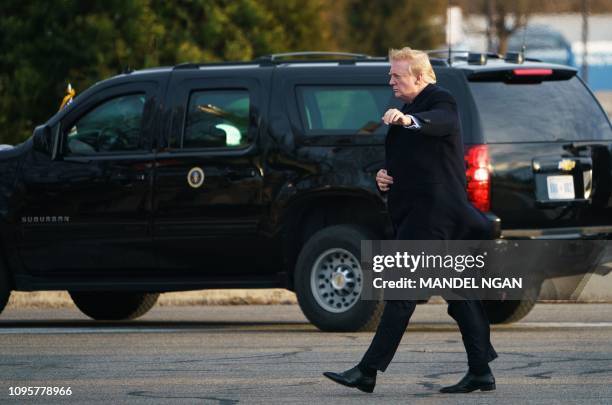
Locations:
{"points": [[532, 72], [477, 176]]}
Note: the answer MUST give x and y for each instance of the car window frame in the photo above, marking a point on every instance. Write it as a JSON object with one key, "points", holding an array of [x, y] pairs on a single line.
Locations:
{"points": [[296, 119], [583, 85], [183, 83], [103, 95], [250, 131], [472, 133], [302, 102]]}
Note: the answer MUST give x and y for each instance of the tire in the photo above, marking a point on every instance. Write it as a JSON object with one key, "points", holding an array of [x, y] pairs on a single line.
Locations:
{"points": [[5, 286], [335, 305], [113, 306], [510, 311]]}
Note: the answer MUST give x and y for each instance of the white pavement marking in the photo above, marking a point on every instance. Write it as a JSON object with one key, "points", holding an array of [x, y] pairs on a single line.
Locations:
{"points": [[63, 330], [76, 330], [537, 325]]}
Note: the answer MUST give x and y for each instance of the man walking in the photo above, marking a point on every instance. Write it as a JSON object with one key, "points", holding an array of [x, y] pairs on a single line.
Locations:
{"points": [[424, 176]]}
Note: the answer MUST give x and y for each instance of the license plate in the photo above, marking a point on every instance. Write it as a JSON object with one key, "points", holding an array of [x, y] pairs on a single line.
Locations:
{"points": [[560, 187]]}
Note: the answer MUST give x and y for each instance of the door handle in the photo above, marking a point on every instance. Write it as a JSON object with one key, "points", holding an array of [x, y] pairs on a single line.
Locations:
{"points": [[235, 174], [77, 159], [125, 179]]}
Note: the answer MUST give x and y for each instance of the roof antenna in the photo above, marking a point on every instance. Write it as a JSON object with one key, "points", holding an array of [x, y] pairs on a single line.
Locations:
{"points": [[448, 32], [523, 46]]}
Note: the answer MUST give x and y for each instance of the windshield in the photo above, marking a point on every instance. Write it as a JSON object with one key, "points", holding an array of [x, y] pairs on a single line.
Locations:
{"points": [[543, 112]]}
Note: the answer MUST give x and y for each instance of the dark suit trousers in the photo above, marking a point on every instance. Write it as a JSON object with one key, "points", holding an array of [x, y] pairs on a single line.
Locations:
{"points": [[413, 219], [469, 315]]}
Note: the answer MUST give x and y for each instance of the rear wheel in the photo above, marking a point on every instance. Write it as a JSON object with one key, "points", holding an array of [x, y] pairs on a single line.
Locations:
{"points": [[511, 310], [113, 306], [329, 281]]}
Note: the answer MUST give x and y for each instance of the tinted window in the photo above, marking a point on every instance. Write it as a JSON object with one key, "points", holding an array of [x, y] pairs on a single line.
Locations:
{"points": [[344, 109], [217, 118], [544, 112], [114, 126]]}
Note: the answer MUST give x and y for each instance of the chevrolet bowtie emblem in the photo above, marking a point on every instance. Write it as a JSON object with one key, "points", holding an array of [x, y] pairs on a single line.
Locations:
{"points": [[567, 165]]}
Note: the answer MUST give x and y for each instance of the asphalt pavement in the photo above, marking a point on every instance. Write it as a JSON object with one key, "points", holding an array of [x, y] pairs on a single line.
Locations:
{"points": [[560, 353]]}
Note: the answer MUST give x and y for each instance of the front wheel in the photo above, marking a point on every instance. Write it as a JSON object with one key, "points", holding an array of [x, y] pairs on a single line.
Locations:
{"points": [[113, 306], [508, 311], [329, 281]]}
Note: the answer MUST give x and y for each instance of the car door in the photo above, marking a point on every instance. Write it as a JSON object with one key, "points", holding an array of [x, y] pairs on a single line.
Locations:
{"points": [[208, 186], [88, 212]]}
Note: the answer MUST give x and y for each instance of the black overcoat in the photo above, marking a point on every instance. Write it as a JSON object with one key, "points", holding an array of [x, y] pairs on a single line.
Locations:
{"points": [[428, 199]]}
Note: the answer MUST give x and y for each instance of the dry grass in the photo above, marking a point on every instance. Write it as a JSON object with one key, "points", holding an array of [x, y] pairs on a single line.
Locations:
{"points": [[61, 299]]}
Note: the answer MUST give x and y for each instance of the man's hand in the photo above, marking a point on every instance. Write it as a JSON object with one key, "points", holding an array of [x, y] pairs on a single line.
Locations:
{"points": [[394, 116], [383, 180]]}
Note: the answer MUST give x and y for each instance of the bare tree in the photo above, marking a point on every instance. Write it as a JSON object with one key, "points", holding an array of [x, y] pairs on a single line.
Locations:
{"points": [[504, 17], [584, 70]]}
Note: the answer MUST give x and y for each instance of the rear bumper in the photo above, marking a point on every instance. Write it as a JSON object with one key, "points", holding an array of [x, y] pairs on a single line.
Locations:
{"points": [[585, 232], [495, 224]]}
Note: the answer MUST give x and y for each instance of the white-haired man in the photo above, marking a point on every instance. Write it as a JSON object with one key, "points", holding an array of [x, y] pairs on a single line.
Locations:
{"points": [[424, 176]]}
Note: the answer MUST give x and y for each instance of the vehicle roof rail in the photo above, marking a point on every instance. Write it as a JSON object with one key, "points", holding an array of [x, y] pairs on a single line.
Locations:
{"points": [[195, 65], [342, 58], [313, 54], [464, 53], [186, 65]]}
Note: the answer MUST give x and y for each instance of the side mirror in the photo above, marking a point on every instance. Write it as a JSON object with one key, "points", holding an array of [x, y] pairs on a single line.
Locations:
{"points": [[44, 139]]}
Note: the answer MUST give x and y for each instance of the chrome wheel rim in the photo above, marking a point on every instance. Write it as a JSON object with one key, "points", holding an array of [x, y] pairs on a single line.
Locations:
{"points": [[336, 280]]}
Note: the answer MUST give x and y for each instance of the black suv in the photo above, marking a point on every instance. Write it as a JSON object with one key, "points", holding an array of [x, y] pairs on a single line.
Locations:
{"points": [[261, 174]]}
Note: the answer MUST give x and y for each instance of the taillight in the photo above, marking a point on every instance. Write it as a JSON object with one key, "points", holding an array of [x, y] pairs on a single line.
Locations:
{"points": [[478, 176], [532, 72]]}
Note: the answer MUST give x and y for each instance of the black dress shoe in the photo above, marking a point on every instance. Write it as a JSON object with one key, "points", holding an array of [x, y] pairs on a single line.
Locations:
{"points": [[353, 378], [471, 382]]}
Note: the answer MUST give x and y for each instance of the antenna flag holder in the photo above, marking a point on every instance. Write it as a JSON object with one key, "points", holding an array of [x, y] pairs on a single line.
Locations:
{"points": [[70, 93]]}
